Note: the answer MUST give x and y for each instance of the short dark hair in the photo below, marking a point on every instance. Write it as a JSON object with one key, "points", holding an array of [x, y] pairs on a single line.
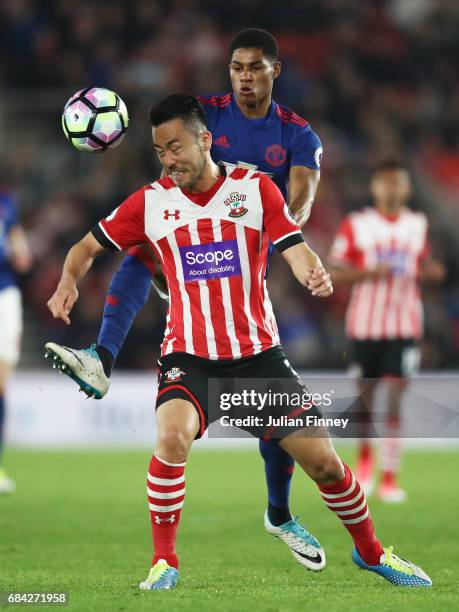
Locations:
{"points": [[179, 106], [257, 39], [387, 165]]}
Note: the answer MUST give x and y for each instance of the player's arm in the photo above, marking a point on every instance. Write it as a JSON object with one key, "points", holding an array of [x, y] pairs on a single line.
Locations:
{"points": [[345, 260], [308, 269], [345, 274], [123, 228], [286, 236], [78, 261], [302, 187], [19, 252], [431, 270], [304, 175]]}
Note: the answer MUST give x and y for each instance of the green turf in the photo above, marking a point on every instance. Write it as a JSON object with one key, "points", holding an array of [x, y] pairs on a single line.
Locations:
{"points": [[79, 523]]}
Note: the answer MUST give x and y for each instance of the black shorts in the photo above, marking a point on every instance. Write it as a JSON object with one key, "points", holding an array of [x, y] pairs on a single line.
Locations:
{"points": [[385, 358], [200, 380]]}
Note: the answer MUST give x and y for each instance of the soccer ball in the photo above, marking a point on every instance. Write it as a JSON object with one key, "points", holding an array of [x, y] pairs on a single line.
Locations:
{"points": [[95, 119]]}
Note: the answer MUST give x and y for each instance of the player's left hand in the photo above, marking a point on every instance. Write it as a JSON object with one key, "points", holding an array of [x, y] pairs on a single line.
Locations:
{"points": [[319, 283]]}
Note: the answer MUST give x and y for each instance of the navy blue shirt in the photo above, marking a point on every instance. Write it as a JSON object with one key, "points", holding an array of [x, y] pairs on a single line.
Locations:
{"points": [[8, 218], [272, 144]]}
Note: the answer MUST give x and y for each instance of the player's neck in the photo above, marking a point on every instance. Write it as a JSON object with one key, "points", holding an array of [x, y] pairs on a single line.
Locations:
{"points": [[391, 210], [210, 175], [255, 111]]}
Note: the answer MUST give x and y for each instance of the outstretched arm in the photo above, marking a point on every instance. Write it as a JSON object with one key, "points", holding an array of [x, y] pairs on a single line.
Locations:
{"points": [[78, 261]]}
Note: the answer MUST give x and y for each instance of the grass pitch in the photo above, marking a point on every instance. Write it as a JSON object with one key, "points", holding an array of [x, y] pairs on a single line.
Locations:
{"points": [[79, 523]]}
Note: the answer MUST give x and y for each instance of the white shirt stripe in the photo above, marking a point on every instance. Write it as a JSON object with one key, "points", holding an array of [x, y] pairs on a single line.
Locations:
{"points": [[226, 295], [187, 320], [205, 301], [246, 284]]}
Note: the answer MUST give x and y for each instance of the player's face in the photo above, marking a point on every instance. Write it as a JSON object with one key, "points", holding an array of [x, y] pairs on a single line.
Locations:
{"points": [[392, 187], [181, 151], [252, 76]]}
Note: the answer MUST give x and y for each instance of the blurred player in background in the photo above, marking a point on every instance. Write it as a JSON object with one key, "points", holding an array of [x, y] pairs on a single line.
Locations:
{"points": [[222, 326], [383, 252], [249, 128], [14, 257]]}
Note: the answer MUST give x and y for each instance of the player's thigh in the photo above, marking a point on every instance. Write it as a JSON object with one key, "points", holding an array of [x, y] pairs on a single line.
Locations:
{"points": [[10, 330], [365, 361], [5, 373], [400, 358], [177, 417], [184, 377]]}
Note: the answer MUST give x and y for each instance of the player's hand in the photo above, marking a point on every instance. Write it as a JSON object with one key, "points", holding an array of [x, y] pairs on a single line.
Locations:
{"points": [[62, 301], [379, 271], [319, 282]]}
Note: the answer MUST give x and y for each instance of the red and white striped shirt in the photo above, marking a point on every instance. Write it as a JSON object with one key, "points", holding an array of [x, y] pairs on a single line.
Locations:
{"points": [[213, 252], [390, 307]]}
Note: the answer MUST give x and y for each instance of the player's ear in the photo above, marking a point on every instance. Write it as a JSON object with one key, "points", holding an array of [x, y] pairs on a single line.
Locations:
{"points": [[277, 66], [206, 140]]}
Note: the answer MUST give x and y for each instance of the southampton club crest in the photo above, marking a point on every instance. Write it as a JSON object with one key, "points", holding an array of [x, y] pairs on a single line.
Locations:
{"points": [[236, 203], [173, 375]]}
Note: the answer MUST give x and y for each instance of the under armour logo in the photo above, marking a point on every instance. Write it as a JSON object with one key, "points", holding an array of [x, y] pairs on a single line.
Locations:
{"points": [[171, 519], [175, 214]]}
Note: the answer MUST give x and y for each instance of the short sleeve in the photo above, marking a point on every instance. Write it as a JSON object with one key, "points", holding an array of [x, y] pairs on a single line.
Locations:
{"points": [[125, 226], [344, 250], [282, 228], [306, 149]]}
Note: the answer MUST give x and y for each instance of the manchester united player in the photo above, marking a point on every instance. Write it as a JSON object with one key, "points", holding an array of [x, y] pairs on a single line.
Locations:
{"points": [[383, 252], [248, 127], [220, 321], [14, 257]]}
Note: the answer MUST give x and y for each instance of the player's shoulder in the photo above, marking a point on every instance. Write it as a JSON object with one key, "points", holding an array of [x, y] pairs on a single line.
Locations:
{"points": [[288, 117], [415, 218], [212, 102], [244, 174]]}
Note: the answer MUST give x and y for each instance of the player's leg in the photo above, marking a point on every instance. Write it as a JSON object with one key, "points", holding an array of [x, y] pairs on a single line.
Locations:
{"points": [[10, 336], [6, 484], [91, 368], [345, 497], [279, 468], [365, 367], [177, 426], [401, 360]]}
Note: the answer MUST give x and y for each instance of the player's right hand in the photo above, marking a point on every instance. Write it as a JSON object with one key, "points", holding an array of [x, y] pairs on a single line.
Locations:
{"points": [[62, 301], [379, 271]]}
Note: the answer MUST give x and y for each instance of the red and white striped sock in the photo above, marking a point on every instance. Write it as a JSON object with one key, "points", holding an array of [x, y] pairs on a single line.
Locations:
{"points": [[347, 500], [166, 492]]}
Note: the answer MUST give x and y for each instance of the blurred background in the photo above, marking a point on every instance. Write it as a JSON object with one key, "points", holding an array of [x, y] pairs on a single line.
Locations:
{"points": [[375, 79]]}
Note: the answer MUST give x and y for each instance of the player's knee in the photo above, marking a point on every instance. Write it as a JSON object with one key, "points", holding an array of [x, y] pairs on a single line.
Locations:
{"points": [[173, 444], [327, 469]]}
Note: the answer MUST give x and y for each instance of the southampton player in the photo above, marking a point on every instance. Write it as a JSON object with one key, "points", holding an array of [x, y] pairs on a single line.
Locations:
{"points": [[383, 252], [222, 327], [14, 257], [249, 128]]}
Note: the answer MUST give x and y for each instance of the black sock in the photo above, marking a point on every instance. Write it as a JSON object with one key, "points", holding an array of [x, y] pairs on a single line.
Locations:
{"points": [[278, 516], [106, 358]]}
